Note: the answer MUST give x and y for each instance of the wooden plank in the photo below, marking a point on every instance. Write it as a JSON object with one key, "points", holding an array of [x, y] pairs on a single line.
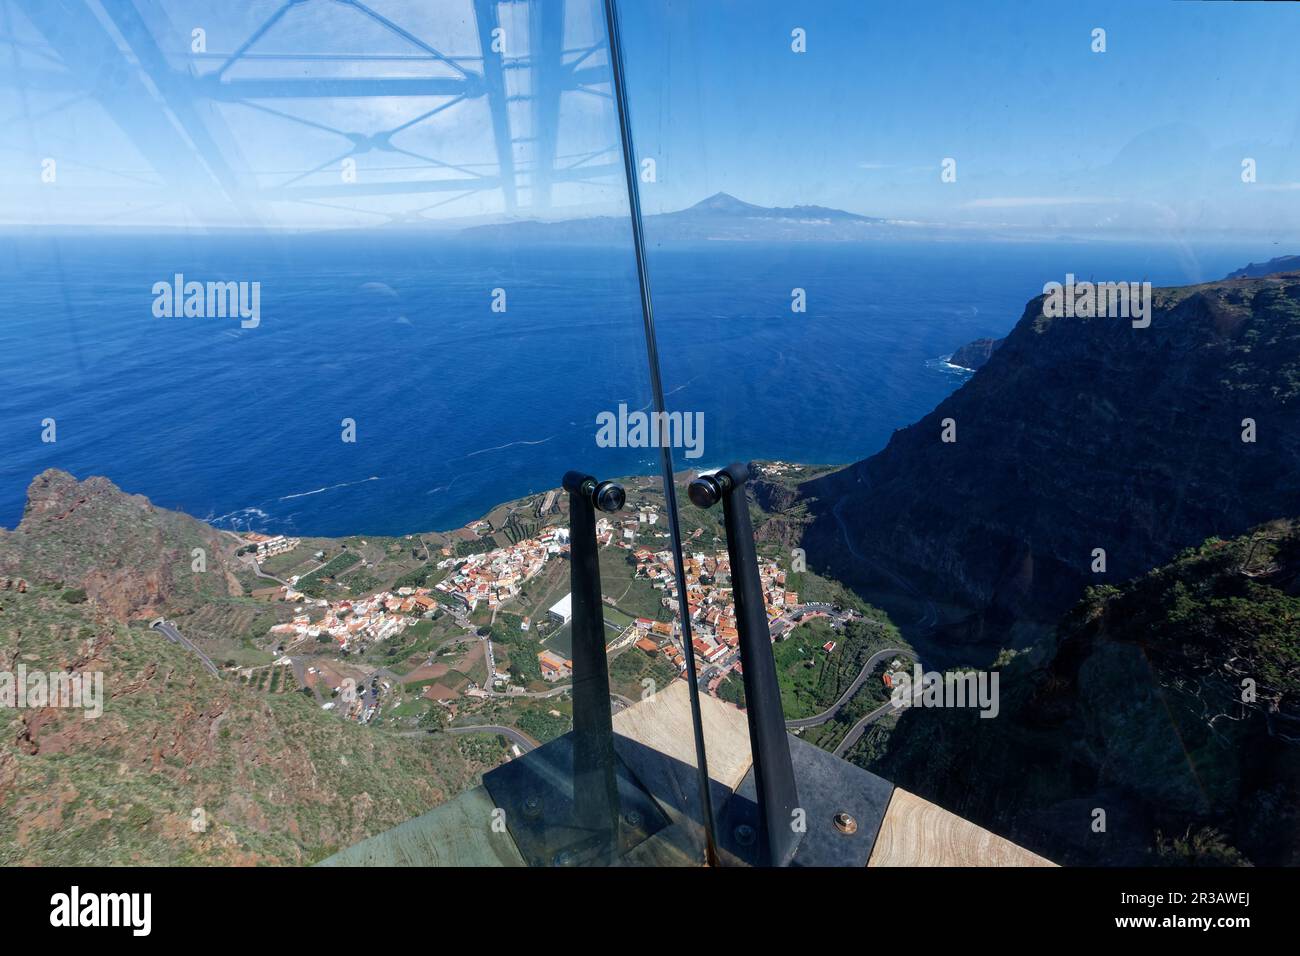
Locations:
{"points": [[662, 723], [656, 740], [916, 832]]}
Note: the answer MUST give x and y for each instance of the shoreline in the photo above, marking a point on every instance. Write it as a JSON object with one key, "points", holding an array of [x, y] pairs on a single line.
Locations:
{"points": [[819, 469]]}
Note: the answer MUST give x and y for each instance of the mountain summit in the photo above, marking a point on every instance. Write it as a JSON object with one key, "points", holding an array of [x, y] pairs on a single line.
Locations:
{"points": [[725, 203]]}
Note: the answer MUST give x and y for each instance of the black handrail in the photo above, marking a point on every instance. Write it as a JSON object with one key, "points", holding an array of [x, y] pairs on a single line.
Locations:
{"points": [[773, 769]]}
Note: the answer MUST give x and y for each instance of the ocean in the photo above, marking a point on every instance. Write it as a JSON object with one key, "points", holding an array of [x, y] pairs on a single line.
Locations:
{"points": [[456, 406]]}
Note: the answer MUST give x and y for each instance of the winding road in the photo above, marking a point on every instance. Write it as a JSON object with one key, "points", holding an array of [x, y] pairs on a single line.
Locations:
{"points": [[257, 570], [169, 631], [863, 674], [520, 739], [857, 729]]}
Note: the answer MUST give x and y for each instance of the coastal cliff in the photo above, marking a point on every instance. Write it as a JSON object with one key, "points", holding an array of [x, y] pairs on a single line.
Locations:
{"points": [[1081, 434], [131, 558]]}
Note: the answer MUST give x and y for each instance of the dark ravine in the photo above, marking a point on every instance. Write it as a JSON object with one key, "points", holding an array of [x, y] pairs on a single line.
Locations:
{"points": [[1080, 434]]}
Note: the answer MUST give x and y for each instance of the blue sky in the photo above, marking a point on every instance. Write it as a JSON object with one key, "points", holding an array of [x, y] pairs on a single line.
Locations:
{"points": [[1148, 136], [1043, 129]]}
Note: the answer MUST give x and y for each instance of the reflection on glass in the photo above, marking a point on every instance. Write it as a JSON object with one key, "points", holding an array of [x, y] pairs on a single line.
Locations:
{"points": [[286, 271]]}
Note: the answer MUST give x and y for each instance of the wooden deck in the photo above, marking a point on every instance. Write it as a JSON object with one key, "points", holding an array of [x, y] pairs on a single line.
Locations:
{"points": [[916, 832]]}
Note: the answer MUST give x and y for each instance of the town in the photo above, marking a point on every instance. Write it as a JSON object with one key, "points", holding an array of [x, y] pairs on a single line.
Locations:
{"points": [[493, 580]]}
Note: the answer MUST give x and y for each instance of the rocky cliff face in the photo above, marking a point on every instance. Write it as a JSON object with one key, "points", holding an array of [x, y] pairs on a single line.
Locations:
{"points": [[1082, 434], [1279, 264]]}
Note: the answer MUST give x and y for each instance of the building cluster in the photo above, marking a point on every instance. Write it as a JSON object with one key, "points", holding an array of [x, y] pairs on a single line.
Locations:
{"points": [[714, 635], [491, 577], [355, 624], [624, 531], [779, 469], [271, 545], [554, 666]]}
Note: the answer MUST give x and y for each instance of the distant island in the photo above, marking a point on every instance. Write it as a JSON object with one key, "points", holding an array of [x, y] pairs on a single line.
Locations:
{"points": [[719, 217]]}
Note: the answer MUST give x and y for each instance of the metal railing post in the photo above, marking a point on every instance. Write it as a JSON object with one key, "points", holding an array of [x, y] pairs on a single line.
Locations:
{"points": [[595, 791], [773, 769]]}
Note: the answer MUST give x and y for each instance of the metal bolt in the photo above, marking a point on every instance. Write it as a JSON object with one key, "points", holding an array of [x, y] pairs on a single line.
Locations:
{"points": [[633, 818], [609, 497], [745, 835], [532, 806], [845, 823]]}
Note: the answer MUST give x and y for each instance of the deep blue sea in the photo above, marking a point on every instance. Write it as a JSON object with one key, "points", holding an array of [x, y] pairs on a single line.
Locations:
{"points": [[458, 407]]}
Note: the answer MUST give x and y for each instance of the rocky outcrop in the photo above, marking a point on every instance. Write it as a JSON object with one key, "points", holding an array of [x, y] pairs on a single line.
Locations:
{"points": [[973, 355], [130, 558]]}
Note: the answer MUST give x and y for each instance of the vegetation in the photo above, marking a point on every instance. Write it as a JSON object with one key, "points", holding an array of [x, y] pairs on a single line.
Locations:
{"points": [[629, 670], [422, 576], [542, 725], [1173, 699], [313, 584], [811, 678], [278, 778], [524, 665]]}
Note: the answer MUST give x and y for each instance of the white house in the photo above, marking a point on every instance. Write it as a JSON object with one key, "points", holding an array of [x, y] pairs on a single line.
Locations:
{"points": [[562, 610]]}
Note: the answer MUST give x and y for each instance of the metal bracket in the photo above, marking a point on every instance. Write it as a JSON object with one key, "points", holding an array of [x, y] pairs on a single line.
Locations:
{"points": [[843, 807]]}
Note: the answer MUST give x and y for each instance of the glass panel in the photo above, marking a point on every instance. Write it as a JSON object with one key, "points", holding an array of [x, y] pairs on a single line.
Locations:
{"points": [[342, 291], [842, 232]]}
